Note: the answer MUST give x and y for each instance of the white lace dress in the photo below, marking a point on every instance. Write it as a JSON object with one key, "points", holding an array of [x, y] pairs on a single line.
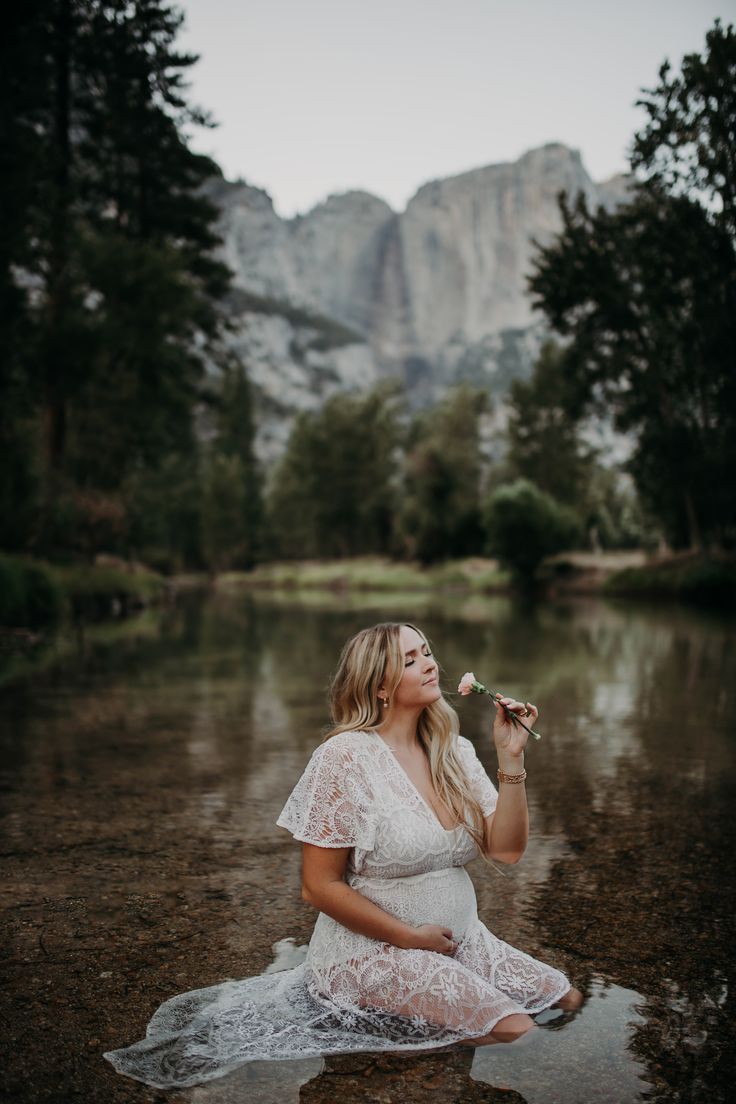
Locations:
{"points": [[354, 993]]}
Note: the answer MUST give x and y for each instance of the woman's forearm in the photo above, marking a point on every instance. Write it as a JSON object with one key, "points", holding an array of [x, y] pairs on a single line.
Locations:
{"points": [[354, 911], [509, 825]]}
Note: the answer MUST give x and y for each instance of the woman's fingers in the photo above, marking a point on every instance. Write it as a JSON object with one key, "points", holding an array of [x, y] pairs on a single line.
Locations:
{"points": [[513, 705], [516, 707], [433, 937], [499, 700]]}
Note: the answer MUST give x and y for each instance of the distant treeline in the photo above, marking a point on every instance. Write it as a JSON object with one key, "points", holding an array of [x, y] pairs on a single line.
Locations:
{"points": [[127, 424]]}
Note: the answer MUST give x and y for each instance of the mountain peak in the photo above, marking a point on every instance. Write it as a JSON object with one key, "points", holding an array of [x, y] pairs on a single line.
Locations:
{"points": [[351, 199]]}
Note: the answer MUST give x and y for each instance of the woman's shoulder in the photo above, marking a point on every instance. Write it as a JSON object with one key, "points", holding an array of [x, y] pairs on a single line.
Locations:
{"points": [[345, 745], [347, 756]]}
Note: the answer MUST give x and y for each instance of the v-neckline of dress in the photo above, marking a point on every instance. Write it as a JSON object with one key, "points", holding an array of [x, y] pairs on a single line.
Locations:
{"points": [[428, 807]]}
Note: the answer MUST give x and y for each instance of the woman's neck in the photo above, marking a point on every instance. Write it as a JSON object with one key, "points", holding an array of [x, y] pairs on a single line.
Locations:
{"points": [[400, 729]]}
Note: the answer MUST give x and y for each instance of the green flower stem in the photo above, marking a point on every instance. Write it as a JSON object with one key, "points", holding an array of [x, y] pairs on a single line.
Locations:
{"points": [[479, 688]]}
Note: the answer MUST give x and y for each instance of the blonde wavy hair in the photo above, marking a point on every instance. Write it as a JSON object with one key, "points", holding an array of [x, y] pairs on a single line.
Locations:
{"points": [[373, 658]]}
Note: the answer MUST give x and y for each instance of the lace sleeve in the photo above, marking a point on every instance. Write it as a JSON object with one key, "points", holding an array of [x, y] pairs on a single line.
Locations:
{"points": [[480, 784], [331, 803]]}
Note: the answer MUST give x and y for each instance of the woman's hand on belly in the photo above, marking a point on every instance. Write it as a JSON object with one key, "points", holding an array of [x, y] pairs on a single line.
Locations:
{"points": [[432, 937], [324, 888]]}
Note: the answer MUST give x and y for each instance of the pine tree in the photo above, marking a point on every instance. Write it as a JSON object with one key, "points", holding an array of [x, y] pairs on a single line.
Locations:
{"points": [[109, 294]]}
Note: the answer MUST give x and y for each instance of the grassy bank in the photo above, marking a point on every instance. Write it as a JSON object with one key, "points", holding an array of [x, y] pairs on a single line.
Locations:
{"points": [[696, 577], [34, 593], [688, 576], [372, 573]]}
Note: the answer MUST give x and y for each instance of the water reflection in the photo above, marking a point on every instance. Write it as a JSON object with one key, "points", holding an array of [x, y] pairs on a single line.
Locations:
{"points": [[259, 1083], [144, 765], [593, 1046]]}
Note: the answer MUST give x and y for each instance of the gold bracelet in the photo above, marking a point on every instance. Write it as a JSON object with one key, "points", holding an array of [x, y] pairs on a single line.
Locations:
{"points": [[503, 777]]}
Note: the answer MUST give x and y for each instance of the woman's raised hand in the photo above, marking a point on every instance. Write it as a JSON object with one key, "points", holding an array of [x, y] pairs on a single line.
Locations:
{"points": [[433, 937], [510, 738]]}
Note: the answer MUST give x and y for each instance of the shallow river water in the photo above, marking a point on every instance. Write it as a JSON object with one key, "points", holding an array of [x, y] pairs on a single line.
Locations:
{"points": [[144, 765]]}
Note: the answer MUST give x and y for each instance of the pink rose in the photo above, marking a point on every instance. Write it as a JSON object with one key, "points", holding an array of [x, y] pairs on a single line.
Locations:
{"points": [[469, 685], [465, 685]]}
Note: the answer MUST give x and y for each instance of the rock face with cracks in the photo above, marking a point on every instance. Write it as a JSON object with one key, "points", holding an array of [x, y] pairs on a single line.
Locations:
{"points": [[352, 291]]}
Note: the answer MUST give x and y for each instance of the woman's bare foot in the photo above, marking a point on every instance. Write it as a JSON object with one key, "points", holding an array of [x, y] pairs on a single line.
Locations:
{"points": [[571, 1001]]}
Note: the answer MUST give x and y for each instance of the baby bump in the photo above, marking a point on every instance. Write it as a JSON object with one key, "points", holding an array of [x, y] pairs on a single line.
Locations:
{"points": [[445, 897]]}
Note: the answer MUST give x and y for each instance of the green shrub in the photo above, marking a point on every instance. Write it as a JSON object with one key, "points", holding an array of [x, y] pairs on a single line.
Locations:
{"points": [[523, 525], [30, 593], [102, 590]]}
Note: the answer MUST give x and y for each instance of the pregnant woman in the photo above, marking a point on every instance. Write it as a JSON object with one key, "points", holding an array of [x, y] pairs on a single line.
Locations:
{"points": [[390, 808]]}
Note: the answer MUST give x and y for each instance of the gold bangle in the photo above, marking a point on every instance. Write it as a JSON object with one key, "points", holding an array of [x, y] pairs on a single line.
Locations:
{"points": [[503, 777]]}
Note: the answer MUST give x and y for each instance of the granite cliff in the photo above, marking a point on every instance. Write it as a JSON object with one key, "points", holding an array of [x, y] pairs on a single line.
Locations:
{"points": [[353, 291]]}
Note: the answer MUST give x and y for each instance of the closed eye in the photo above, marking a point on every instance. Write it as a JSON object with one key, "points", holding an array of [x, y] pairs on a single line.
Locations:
{"points": [[409, 663]]}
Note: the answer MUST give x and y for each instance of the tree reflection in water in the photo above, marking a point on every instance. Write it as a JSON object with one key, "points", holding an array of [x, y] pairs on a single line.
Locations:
{"points": [[647, 900]]}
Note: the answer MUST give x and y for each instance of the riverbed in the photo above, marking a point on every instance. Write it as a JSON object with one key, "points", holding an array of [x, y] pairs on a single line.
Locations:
{"points": [[144, 766]]}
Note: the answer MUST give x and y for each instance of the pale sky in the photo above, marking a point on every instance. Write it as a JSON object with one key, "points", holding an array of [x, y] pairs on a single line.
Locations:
{"points": [[315, 97]]}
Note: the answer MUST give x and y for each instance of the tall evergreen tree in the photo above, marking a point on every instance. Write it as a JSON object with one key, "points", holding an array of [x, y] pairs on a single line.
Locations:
{"points": [[24, 67], [118, 291]]}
